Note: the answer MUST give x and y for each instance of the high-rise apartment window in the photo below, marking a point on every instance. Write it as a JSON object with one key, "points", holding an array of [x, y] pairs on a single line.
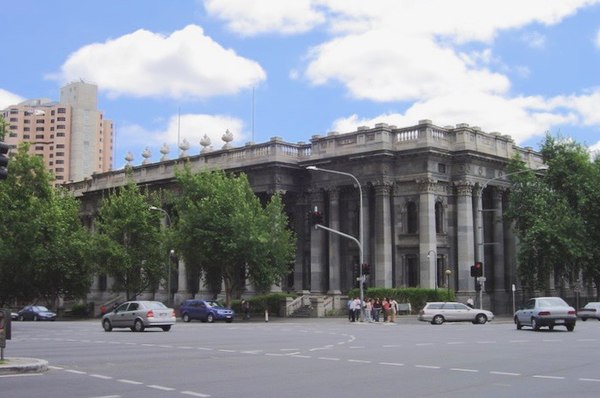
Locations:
{"points": [[39, 148], [39, 129], [40, 121], [62, 110], [60, 161], [60, 127], [60, 169], [61, 119], [26, 137], [14, 111], [60, 134], [25, 128], [60, 145], [60, 177], [39, 136], [26, 121], [52, 113], [60, 154]]}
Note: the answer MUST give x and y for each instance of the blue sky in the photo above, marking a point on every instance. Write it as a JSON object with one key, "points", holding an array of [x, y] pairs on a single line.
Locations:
{"points": [[169, 70]]}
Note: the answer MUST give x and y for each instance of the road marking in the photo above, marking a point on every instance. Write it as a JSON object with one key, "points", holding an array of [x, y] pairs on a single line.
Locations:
{"points": [[101, 377], [427, 367], [223, 350], [423, 344], [464, 370], [273, 354], [455, 342], [22, 375], [55, 367], [129, 381], [594, 380], [329, 359], [162, 388], [204, 348], [358, 361], [185, 347], [195, 394], [548, 377], [77, 372], [518, 341], [391, 364], [504, 373], [486, 342], [301, 356]]}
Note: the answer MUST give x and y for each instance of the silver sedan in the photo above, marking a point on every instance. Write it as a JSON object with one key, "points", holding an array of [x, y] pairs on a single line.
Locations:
{"points": [[139, 315], [546, 311], [440, 312]]}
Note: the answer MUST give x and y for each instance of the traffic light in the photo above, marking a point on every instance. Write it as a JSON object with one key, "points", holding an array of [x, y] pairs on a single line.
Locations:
{"points": [[4, 148], [316, 217], [477, 270]]}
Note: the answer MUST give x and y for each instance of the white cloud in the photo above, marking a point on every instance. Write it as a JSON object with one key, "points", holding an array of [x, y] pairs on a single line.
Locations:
{"points": [[7, 99], [185, 64], [534, 39], [179, 127], [261, 16]]}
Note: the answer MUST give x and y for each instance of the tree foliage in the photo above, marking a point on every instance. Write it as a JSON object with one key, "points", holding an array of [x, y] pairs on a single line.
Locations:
{"points": [[44, 249], [225, 234], [129, 244], [557, 216]]}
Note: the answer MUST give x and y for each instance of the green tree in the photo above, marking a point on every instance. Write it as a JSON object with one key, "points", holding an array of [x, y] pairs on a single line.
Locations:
{"points": [[129, 244], [44, 249], [225, 235]]}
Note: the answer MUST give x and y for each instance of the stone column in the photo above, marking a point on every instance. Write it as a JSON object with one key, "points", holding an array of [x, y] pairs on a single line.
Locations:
{"points": [[383, 236], [427, 235], [500, 285], [334, 243], [465, 235], [317, 249], [366, 243]]}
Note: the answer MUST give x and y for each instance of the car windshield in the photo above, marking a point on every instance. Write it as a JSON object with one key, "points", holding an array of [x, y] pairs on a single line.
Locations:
{"points": [[213, 304], [552, 302], [41, 308]]}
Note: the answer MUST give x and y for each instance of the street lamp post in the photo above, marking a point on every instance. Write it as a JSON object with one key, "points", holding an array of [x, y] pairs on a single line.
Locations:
{"points": [[360, 232], [169, 255], [448, 273]]}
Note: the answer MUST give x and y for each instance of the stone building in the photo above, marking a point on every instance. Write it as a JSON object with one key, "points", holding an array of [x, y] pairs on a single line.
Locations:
{"points": [[432, 197]]}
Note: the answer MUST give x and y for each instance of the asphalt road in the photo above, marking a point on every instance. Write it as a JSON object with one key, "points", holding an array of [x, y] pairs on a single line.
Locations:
{"points": [[306, 358]]}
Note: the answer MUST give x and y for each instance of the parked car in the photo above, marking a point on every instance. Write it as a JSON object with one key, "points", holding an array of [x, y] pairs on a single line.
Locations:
{"points": [[35, 313], [205, 311], [546, 311], [14, 315], [139, 315], [440, 312], [590, 310]]}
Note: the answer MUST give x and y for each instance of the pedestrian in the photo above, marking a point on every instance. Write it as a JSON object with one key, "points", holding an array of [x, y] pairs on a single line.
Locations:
{"points": [[470, 303], [376, 309], [368, 310], [246, 309], [357, 308], [350, 306], [385, 305], [393, 310]]}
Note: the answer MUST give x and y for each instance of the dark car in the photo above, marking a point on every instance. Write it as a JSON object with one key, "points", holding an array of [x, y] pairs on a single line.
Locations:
{"points": [[205, 311], [36, 313], [546, 311]]}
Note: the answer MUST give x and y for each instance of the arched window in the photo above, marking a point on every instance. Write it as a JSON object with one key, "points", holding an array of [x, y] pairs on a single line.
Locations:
{"points": [[439, 218], [412, 218]]}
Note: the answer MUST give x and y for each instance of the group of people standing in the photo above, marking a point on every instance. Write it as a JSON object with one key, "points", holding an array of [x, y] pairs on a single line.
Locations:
{"points": [[375, 309]]}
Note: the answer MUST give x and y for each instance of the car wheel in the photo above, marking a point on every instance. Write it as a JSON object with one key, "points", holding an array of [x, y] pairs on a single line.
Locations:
{"points": [[166, 328], [106, 325], [570, 327], [186, 317], [518, 323], [437, 320], [534, 324], [481, 319], [585, 319], [210, 318], [138, 326], [551, 327]]}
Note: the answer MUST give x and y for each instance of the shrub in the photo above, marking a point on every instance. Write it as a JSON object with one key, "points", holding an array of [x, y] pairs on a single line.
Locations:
{"points": [[417, 297]]}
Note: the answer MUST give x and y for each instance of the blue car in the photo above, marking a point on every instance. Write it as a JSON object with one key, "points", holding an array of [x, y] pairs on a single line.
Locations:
{"points": [[205, 311], [36, 313]]}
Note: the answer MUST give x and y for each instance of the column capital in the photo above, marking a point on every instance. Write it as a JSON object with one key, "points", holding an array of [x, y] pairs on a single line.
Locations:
{"points": [[463, 187], [427, 184], [383, 187]]}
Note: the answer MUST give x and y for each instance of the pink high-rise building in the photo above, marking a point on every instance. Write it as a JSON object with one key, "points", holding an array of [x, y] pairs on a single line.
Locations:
{"points": [[71, 135]]}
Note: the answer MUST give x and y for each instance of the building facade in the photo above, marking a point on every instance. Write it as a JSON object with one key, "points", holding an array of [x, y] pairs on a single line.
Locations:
{"points": [[71, 135], [432, 205]]}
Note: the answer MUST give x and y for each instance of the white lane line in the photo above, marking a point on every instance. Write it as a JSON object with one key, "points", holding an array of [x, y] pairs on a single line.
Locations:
{"points": [[486, 342], [423, 344], [101, 377], [391, 364], [185, 347], [204, 349], [77, 372], [548, 377], [493, 372], [301, 356], [551, 340], [455, 342], [464, 370], [195, 394], [427, 367], [358, 361], [518, 341], [273, 354], [148, 345], [22, 375], [162, 388], [594, 380], [230, 351], [55, 367], [329, 359], [129, 381]]}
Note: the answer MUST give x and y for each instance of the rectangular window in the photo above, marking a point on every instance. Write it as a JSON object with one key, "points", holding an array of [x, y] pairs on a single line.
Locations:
{"points": [[60, 127], [26, 137], [39, 148], [60, 145], [39, 136], [60, 161], [61, 119], [60, 154], [60, 134], [441, 168], [62, 110]]}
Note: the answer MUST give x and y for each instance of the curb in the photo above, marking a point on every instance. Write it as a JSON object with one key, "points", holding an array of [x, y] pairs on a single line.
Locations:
{"points": [[23, 365]]}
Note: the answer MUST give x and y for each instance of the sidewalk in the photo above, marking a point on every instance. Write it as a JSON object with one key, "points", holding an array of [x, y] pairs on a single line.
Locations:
{"points": [[23, 365]]}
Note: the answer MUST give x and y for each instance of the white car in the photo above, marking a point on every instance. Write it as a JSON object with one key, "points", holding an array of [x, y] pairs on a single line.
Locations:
{"points": [[546, 311], [139, 315], [591, 310], [440, 312]]}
